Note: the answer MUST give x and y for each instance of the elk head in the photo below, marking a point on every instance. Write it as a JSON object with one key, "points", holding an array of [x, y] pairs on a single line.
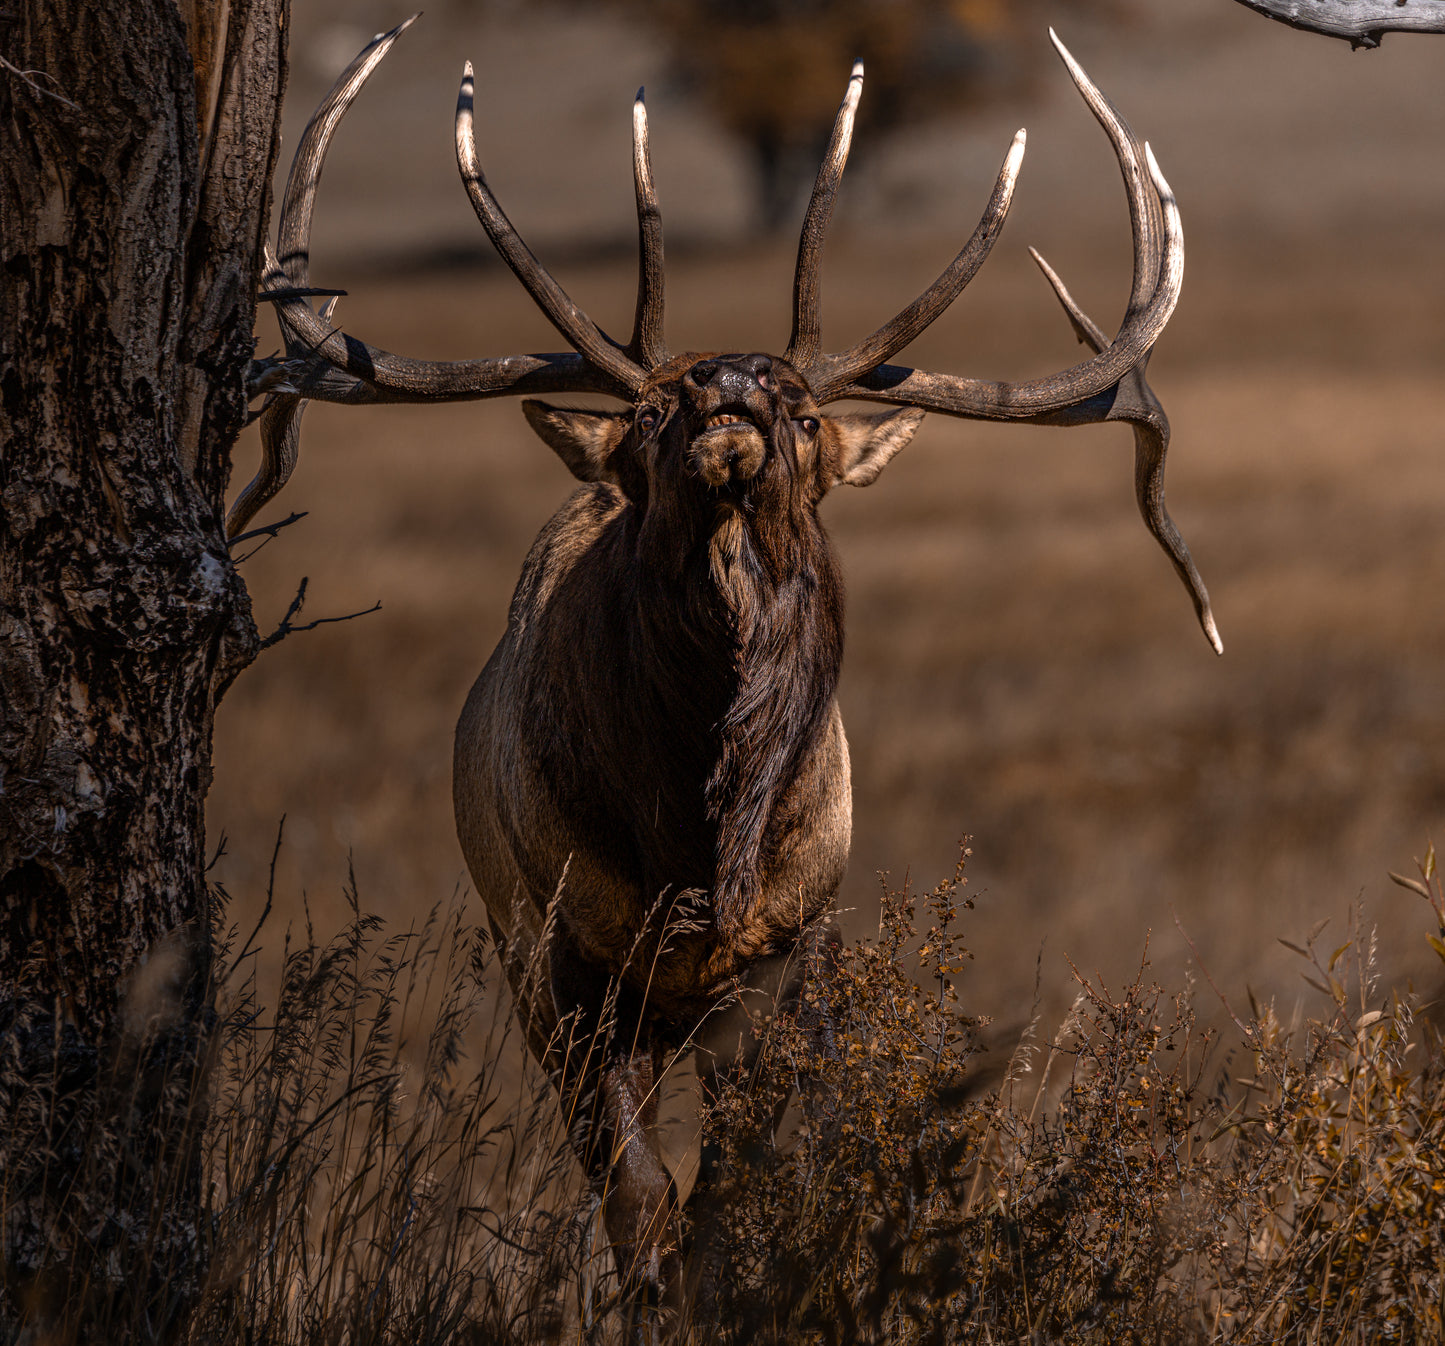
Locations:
{"points": [[724, 433]]}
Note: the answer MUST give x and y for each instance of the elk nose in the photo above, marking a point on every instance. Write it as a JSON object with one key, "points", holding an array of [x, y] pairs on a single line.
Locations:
{"points": [[733, 375], [761, 368]]}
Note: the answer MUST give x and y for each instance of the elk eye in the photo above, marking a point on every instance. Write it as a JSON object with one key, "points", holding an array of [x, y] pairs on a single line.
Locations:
{"points": [[808, 425], [646, 419]]}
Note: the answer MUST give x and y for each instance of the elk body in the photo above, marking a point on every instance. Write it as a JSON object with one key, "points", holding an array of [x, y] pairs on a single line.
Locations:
{"points": [[651, 776]]}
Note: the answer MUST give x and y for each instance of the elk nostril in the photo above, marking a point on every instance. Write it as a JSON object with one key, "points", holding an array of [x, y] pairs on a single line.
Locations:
{"points": [[763, 370], [704, 372]]}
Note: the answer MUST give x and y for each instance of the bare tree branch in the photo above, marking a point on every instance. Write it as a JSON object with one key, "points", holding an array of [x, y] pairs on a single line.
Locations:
{"points": [[286, 629], [28, 77], [268, 530], [1361, 23]]}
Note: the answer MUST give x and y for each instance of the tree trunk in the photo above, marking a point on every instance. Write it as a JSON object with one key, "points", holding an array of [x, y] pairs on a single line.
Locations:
{"points": [[135, 157]]}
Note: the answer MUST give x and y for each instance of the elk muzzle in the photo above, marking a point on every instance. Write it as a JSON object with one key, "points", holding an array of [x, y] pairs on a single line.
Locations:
{"points": [[733, 407]]}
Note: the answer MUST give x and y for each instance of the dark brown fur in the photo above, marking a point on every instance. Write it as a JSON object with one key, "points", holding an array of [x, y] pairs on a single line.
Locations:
{"points": [[655, 741]]}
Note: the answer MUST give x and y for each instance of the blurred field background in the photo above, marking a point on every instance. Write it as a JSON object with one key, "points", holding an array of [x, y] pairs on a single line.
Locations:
{"points": [[1022, 664]]}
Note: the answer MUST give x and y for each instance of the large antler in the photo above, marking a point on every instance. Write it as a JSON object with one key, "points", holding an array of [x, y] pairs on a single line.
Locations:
{"points": [[325, 364], [1108, 387]]}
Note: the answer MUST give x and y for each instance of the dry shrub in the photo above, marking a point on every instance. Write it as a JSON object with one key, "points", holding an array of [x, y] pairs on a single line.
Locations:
{"points": [[1343, 1121], [1148, 1186]]}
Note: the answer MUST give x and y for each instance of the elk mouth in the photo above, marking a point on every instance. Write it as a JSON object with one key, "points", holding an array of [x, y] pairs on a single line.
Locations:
{"points": [[730, 448]]}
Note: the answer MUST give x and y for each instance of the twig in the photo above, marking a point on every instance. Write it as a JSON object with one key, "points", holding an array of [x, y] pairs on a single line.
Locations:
{"points": [[1361, 23], [286, 629], [269, 529], [1199, 963], [270, 893], [27, 77]]}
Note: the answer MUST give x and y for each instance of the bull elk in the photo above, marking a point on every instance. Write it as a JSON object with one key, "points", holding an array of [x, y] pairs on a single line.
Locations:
{"points": [[651, 778]]}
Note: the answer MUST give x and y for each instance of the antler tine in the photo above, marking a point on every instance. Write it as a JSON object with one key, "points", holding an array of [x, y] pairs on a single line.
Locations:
{"points": [[647, 346], [893, 336], [1137, 404], [1144, 205], [805, 341], [550, 297], [293, 232], [1158, 277], [280, 447]]}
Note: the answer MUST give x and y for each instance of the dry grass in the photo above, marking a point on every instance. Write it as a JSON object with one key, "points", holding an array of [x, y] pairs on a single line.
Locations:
{"points": [[1128, 1176], [1133, 1178], [375, 1185]]}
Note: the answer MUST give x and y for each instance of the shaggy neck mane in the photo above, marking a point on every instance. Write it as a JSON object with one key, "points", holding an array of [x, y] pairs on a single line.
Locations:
{"points": [[763, 624]]}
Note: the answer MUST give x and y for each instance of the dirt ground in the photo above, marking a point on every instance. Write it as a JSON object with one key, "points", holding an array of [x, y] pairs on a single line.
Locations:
{"points": [[1022, 664]]}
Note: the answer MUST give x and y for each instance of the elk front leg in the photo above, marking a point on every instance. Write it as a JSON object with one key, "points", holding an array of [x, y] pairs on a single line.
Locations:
{"points": [[609, 1085], [640, 1205]]}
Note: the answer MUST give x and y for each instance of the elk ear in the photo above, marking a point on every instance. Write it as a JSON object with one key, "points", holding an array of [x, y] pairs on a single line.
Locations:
{"points": [[866, 443], [584, 440]]}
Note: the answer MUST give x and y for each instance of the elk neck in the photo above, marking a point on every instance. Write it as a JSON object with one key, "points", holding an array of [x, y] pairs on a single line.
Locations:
{"points": [[741, 610]]}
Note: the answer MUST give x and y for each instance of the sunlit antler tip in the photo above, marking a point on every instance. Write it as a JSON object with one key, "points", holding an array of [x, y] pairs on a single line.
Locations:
{"points": [[1211, 632], [1015, 158], [467, 74], [1075, 69], [641, 94], [857, 70], [1155, 171], [391, 34]]}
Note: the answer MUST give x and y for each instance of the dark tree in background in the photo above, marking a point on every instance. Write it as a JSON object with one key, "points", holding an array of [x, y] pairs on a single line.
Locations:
{"points": [[135, 158], [772, 71]]}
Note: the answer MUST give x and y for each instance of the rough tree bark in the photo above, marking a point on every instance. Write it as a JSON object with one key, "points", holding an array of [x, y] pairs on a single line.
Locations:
{"points": [[136, 148], [1361, 23]]}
